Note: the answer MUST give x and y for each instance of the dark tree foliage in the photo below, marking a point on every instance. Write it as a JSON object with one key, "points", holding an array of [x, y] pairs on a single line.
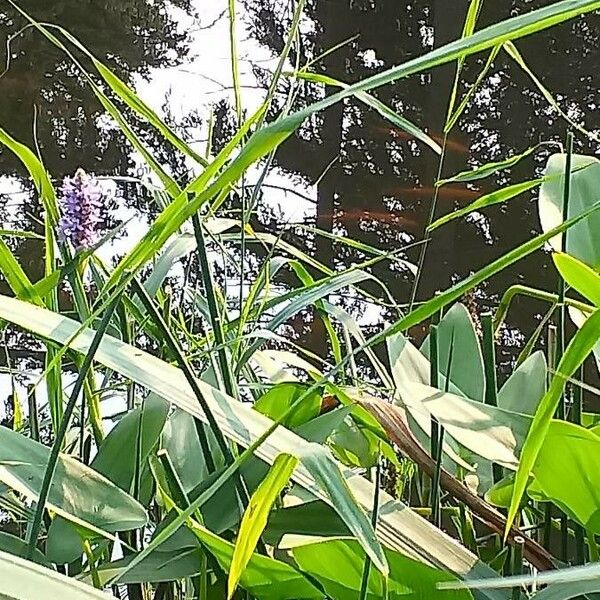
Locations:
{"points": [[380, 188], [46, 102]]}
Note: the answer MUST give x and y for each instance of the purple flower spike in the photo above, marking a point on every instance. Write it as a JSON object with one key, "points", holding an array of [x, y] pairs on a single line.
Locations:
{"points": [[82, 208]]}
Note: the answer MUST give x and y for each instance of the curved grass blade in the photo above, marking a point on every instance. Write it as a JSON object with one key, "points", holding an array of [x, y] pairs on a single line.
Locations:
{"points": [[169, 183], [488, 169], [579, 276], [438, 302], [512, 51], [385, 111], [496, 197]]}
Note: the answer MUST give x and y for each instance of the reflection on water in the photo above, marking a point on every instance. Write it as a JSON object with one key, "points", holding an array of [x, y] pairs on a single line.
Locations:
{"points": [[371, 181]]}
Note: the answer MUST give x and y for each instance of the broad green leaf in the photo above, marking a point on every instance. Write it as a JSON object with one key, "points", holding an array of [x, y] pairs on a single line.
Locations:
{"points": [[488, 431], [579, 276], [180, 440], [338, 564], [408, 366], [466, 369], [523, 390], [280, 397], [255, 516], [168, 565], [264, 577], [64, 543], [402, 529], [13, 545], [487, 169], [124, 452], [495, 197], [299, 521], [567, 470], [23, 580], [576, 352], [583, 241], [78, 493], [141, 427]]}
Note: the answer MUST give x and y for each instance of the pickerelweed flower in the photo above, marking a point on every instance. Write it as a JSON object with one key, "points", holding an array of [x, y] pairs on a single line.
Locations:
{"points": [[82, 208]]}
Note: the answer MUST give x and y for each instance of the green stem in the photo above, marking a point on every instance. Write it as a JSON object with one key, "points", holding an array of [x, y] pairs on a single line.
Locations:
{"points": [[215, 314], [564, 524], [522, 290], [374, 516], [64, 426]]}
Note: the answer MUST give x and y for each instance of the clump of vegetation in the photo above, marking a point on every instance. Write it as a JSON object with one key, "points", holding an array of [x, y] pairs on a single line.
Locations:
{"points": [[243, 465]]}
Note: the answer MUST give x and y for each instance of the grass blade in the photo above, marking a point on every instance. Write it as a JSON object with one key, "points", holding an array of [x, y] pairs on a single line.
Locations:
{"points": [[255, 516], [576, 352], [496, 197]]}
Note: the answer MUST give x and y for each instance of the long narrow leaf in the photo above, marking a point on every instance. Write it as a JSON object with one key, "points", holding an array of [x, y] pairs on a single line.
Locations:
{"points": [[399, 528], [255, 516], [577, 351]]}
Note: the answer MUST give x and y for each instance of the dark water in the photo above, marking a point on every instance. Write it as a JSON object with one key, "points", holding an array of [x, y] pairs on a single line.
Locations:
{"points": [[380, 187]]}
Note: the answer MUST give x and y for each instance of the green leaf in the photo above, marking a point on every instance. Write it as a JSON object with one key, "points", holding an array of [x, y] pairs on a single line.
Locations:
{"points": [[160, 565], [312, 518], [38, 173], [13, 545], [579, 276], [22, 580], [495, 197], [576, 352], [264, 577], [125, 450], [64, 543], [180, 440], [243, 425], [255, 516], [337, 565], [78, 493], [466, 371], [15, 276], [487, 169], [280, 397], [583, 241], [523, 390], [385, 111], [488, 431], [567, 470]]}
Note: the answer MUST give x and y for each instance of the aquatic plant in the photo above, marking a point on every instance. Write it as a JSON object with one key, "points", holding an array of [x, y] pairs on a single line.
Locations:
{"points": [[244, 466], [82, 205]]}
